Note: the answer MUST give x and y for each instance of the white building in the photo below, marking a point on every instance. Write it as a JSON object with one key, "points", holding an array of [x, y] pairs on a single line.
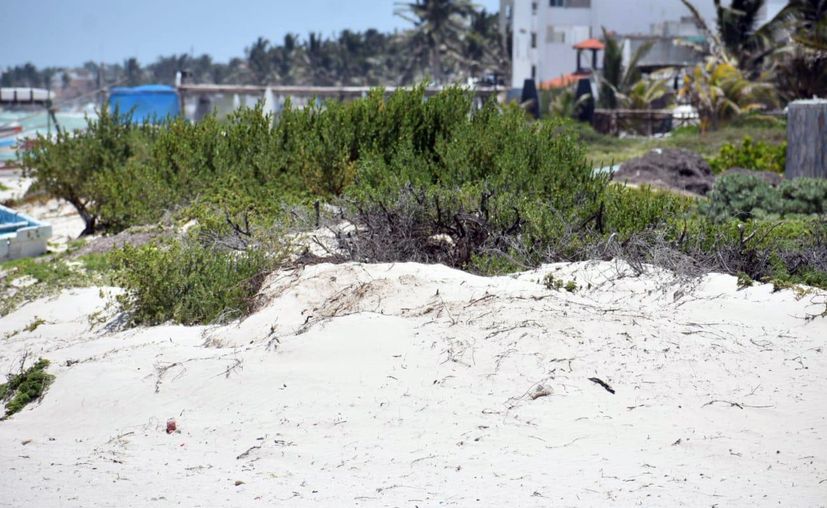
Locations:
{"points": [[544, 31]]}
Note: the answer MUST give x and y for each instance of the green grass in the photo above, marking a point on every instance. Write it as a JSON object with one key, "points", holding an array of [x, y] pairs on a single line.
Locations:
{"points": [[34, 325], [51, 274], [46, 271], [605, 150], [26, 387]]}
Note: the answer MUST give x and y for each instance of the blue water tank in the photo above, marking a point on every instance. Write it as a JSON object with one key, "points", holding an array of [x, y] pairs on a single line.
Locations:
{"points": [[147, 103]]}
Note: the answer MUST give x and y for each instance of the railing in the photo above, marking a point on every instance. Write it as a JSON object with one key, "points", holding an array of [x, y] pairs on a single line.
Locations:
{"points": [[645, 122], [341, 92]]}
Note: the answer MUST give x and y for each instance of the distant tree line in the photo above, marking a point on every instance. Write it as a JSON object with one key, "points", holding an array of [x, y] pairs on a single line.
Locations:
{"points": [[450, 41]]}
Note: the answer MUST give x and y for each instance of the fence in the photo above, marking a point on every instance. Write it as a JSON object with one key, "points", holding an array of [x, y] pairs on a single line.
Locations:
{"points": [[645, 122]]}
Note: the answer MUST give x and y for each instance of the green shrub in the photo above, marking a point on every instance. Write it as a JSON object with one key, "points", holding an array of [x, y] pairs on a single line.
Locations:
{"points": [[629, 210], [803, 196], [750, 155], [25, 387], [744, 280], [745, 196], [741, 196], [72, 166], [552, 283], [186, 282]]}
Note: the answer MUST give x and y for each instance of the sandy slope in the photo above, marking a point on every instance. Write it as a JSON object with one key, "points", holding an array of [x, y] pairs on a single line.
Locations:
{"points": [[411, 385]]}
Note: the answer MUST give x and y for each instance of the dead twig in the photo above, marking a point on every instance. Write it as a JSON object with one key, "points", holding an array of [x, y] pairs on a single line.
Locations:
{"points": [[246, 453], [602, 383], [739, 405]]}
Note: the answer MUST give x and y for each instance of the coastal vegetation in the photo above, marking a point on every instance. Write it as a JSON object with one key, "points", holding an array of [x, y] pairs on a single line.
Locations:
{"points": [[503, 191]]}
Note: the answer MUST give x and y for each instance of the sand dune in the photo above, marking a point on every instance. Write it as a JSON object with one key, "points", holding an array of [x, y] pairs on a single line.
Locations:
{"points": [[414, 385]]}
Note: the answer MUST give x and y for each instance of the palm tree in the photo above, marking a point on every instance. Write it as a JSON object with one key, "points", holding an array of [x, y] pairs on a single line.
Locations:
{"points": [[801, 67], [800, 73], [737, 26], [645, 93], [807, 22], [484, 50], [439, 29], [133, 72], [617, 79], [258, 60], [719, 91], [797, 66], [738, 40]]}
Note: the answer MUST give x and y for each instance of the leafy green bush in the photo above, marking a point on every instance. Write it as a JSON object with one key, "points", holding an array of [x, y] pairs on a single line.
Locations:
{"points": [[73, 166], [803, 196], [25, 387], [741, 196], [750, 155], [186, 282], [746, 196]]}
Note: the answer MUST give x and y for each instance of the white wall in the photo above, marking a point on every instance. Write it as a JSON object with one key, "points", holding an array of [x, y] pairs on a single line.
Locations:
{"points": [[622, 16], [523, 57]]}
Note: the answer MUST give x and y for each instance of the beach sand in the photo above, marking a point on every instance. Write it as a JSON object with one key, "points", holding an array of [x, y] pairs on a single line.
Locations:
{"points": [[414, 385]]}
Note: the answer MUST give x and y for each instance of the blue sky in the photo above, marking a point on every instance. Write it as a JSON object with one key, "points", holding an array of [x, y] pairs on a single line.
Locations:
{"points": [[70, 32]]}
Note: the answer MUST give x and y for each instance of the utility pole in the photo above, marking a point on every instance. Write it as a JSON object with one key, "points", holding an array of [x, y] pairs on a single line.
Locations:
{"points": [[101, 93]]}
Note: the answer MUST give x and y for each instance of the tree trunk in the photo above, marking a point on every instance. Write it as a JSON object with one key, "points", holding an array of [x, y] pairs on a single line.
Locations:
{"points": [[89, 220], [807, 139], [436, 64]]}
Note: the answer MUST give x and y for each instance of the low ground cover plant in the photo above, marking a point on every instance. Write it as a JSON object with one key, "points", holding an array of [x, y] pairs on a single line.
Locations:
{"points": [[25, 387], [26, 279]]}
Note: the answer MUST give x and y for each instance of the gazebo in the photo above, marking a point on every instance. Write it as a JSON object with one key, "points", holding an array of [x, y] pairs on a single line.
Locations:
{"points": [[592, 45]]}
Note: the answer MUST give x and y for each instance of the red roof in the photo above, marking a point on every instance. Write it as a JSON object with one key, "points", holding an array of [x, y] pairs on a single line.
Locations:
{"points": [[590, 44], [563, 81]]}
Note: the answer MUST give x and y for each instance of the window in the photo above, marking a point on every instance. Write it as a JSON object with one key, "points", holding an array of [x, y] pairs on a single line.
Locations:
{"points": [[555, 35], [570, 3], [533, 72], [533, 39], [534, 7]]}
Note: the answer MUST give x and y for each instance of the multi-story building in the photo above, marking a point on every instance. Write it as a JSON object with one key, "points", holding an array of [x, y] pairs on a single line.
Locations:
{"points": [[544, 31]]}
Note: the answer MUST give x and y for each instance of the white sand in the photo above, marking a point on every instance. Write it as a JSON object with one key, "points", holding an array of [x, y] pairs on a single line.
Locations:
{"points": [[64, 219], [13, 184], [409, 385]]}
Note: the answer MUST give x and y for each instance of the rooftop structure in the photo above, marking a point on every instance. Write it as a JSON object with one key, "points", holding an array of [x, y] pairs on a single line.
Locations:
{"points": [[23, 96], [547, 34]]}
